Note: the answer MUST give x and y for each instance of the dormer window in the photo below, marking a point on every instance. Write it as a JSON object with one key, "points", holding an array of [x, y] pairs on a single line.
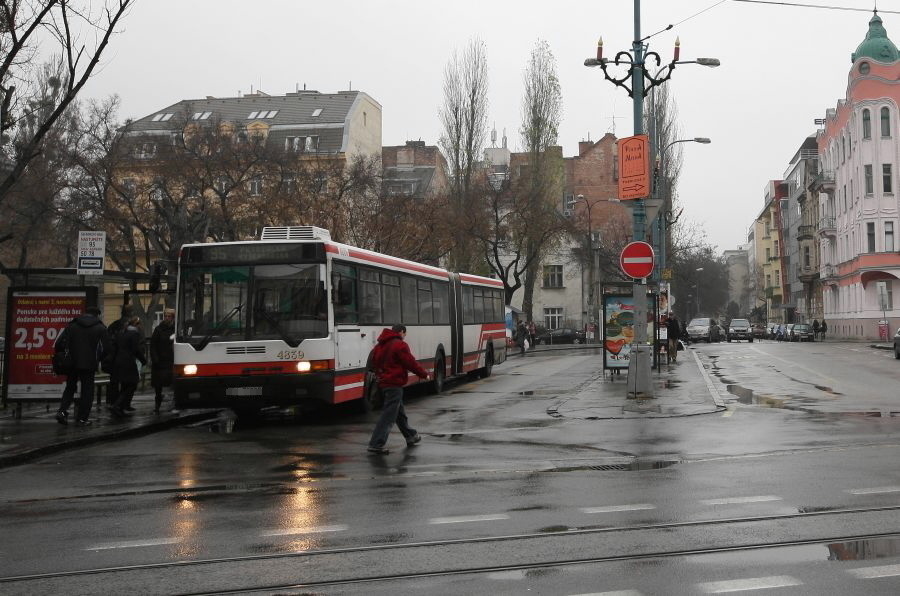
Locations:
{"points": [[263, 114], [162, 117], [202, 115], [316, 112]]}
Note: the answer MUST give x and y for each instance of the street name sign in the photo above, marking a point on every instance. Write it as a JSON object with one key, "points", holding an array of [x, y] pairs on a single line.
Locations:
{"points": [[634, 167], [636, 260], [91, 252]]}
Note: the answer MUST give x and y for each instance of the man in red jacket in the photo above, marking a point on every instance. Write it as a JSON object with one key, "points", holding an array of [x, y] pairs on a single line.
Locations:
{"points": [[392, 359]]}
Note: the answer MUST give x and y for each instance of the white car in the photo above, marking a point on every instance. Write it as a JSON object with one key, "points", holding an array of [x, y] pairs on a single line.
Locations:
{"points": [[704, 329]]}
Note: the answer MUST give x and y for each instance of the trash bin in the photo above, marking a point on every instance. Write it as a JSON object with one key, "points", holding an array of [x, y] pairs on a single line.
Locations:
{"points": [[883, 330]]}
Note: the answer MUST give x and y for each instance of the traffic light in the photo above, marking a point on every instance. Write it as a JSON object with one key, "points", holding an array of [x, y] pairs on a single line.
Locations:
{"points": [[156, 272]]}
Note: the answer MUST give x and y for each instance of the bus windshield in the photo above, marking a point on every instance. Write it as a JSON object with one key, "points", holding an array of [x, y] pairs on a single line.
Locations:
{"points": [[225, 303]]}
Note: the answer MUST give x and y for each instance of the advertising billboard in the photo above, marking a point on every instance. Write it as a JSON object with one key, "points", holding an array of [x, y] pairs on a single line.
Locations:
{"points": [[618, 327], [35, 318]]}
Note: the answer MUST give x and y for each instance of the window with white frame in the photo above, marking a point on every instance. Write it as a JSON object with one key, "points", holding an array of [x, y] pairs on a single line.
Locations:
{"points": [[867, 124], [312, 144], [889, 236], [886, 178], [222, 184], [317, 112], [162, 117], [885, 295], [870, 184], [568, 202], [870, 236], [553, 316], [145, 150], [553, 276], [885, 122], [201, 115], [157, 191], [254, 186]]}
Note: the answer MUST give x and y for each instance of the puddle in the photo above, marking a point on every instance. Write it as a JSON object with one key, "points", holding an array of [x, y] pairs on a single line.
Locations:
{"points": [[854, 550]]}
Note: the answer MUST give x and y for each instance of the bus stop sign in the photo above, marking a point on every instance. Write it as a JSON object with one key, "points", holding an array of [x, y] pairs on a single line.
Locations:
{"points": [[636, 260]]}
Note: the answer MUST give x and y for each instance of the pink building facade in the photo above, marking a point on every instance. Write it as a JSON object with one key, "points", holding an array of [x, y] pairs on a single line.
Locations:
{"points": [[859, 198]]}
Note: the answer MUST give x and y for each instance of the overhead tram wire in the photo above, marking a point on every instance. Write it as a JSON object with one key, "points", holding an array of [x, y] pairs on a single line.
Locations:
{"points": [[774, 2], [822, 6]]}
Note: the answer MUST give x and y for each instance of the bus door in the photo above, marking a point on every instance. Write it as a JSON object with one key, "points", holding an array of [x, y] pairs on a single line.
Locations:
{"points": [[456, 324]]}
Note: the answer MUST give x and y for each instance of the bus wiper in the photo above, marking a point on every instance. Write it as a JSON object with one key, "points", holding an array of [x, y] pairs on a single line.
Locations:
{"points": [[274, 322], [218, 326]]}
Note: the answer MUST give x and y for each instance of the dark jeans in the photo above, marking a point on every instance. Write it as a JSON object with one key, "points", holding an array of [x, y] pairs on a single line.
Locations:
{"points": [[391, 413], [86, 399], [126, 392]]}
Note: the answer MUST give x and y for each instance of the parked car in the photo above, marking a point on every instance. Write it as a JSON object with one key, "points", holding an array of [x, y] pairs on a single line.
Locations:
{"points": [[897, 344], [740, 329], [704, 329], [801, 332], [563, 335], [759, 331]]}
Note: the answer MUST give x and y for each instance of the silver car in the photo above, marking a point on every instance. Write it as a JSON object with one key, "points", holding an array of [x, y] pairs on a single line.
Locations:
{"points": [[704, 329]]}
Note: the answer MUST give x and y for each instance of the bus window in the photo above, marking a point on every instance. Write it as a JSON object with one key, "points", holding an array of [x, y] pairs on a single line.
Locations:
{"points": [[390, 294], [468, 309], [346, 314], [369, 297], [441, 294], [426, 313], [409, 300], [479, 305], [289, 302], [214, 299]]}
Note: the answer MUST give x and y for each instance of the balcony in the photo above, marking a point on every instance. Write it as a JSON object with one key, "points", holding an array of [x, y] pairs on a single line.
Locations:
{"points": [[774, 258], [829, 274], [804, 232], [823, 182], [773, 292], [827, 227], [807, 273]]}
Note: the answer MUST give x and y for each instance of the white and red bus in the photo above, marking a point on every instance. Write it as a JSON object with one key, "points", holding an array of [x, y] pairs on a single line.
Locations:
{"points": [[293, 317]]}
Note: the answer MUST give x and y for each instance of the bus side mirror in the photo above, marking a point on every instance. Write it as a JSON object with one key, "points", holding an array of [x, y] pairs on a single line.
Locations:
{"points": [[344, 291]]}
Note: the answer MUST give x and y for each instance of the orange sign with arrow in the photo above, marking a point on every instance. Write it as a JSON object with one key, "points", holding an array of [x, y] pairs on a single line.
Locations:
{"points": [[634, 167]]}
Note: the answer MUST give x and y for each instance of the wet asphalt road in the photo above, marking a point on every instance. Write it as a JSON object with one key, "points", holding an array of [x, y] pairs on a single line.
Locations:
{"points": [[505, 496]]}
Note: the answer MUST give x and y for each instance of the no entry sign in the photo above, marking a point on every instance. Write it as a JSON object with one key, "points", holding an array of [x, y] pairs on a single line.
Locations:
{"points": [[636, 260]]}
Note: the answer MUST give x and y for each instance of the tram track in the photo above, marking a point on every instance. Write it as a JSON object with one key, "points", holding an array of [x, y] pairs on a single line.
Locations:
{"points": [[388, 562]]}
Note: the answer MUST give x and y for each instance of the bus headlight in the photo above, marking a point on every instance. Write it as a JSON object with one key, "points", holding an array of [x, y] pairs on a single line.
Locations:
{"points": [[190, 369], [304, 366]]}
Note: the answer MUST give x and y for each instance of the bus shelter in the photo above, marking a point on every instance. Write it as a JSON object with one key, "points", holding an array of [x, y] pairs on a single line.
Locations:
{"points": [[40, 303]]}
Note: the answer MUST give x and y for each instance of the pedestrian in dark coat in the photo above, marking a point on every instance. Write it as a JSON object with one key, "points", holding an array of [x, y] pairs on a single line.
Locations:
{"points": [[673, 332], [815, 327], [521, 336], [115, 329], [391, 360], [162, 355], [129, 352], [87, 340], [824, 329]]}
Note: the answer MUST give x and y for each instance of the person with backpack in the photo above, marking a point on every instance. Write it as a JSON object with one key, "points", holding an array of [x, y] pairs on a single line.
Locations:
{"points": [[87, 340], [391, 359]]}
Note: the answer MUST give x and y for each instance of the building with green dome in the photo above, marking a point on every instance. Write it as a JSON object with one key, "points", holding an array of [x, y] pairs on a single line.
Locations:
{"points": [[858, 195]]}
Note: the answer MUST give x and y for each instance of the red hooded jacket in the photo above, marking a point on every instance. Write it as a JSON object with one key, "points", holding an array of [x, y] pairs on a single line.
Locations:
{"points": [[391, 359]]}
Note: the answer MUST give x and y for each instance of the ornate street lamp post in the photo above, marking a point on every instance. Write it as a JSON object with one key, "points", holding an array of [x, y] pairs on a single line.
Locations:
{"points": [[641, 82]]}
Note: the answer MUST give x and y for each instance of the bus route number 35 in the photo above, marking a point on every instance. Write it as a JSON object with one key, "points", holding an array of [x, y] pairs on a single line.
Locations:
{"points": [[290, 355]]}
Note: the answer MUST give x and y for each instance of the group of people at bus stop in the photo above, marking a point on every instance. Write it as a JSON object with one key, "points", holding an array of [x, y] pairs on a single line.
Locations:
{"points": [[86, 344]]}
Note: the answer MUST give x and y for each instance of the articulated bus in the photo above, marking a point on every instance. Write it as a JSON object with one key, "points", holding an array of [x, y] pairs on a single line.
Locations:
{"points": [[292, 318]]}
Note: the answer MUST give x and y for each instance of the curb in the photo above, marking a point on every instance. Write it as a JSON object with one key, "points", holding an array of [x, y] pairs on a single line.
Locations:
{"points": [[15, 459]]}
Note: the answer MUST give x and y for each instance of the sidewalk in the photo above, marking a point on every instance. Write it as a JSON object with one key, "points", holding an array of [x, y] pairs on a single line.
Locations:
{"points": [[38, 433], [680, 389]]}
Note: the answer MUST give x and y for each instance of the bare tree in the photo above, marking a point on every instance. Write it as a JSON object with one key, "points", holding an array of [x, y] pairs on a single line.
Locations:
{"points": [[463, 118], [56, 28], [543, 174]]}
